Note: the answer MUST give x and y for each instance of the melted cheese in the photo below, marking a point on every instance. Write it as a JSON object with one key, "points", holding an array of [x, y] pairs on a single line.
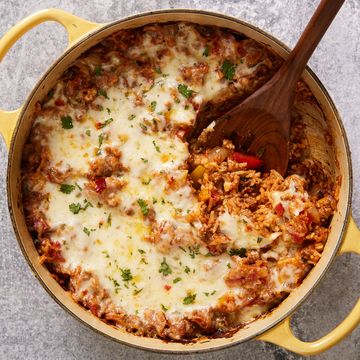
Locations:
{"points": [[235, 227], [136, 274]]}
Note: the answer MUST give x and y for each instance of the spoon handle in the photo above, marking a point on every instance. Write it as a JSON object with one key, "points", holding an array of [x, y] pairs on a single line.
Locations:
{"points": [[313, 33]]}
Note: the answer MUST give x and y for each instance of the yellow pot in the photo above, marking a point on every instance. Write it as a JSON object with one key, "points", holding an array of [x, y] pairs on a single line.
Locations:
{"points": [[274, 327]]}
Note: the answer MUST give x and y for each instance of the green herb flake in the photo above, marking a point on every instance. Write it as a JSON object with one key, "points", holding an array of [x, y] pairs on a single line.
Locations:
{"points": [[78, 186], [213, 292], [153, 106], [146, 182], [143, 206], [238, 252], [137, 291], [86, 231], [105, 123], [141, 251], [165, 268], [228, 69], [109, 219], [187, 269], [88, 132], [108, 110], [144, 127], [259, 240], [100, 140], [176, 280], [103, 93], [97, 70], [164, 308], [126, 274], [228, 265], [75, 208], [206, 52], [158, 70], [206, 293], [145, 161], [131, 117], [185, 91], [194, 250], [157, 148], [106, 254], [189, 299], [66, 188], [66, 122]]}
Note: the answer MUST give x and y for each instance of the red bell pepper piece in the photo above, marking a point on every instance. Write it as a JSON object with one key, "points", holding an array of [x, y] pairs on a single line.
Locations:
{"points": [[252, 162], [100, 184], [279, 209]]}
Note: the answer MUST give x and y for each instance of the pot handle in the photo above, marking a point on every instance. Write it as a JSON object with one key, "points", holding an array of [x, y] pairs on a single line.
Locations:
{"points": [[76, 28], [282, 335]]}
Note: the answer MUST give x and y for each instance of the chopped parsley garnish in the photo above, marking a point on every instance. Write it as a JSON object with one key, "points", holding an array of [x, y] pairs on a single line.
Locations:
{"points": [[88, 132], [228, 69], [100, 107], [154, 200], [86, 231], [131, 117], [108, 110], [187, 269], [66, 188], [164, 308], [75, 208], [158, 70], [103, 93], [189, 299], [156, 146], [259, 240], [100, 140], [176, 280], [106, 122], [97, 70], [144, 127], [194, 250], [109, 219], [143, 206], [137, 291], [66, 122], [146, 182], [239, 252], [145, 161], [228, 265], [106, 253], [165, 269], [206, 51], [78, 186], [185, 91], [153, 105], [126, 274], [141, 251]]}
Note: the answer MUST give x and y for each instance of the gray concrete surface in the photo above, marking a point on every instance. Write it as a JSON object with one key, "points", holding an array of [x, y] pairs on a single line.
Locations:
{"points": [[32, 325]]}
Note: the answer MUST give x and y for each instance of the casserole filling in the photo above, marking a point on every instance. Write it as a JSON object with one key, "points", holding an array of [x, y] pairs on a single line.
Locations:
{"points": [[147, 232]]}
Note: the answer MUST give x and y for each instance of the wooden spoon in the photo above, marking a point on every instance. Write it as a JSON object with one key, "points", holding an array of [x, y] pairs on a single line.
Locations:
{"points": [[262, 121]]}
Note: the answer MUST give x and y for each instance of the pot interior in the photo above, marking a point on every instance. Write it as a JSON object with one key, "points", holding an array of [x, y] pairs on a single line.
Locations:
{"points": [[337, 163]]}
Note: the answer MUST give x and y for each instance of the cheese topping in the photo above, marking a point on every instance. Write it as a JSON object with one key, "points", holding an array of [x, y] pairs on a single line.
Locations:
{"points": [[108, 192]]}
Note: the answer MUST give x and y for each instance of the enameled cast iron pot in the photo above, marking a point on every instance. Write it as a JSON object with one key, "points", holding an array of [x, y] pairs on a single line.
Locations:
{"points": [[275, 326]]}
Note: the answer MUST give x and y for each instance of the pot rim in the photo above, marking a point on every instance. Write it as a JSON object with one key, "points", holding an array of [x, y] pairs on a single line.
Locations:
{"points": [[105, 27]]}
